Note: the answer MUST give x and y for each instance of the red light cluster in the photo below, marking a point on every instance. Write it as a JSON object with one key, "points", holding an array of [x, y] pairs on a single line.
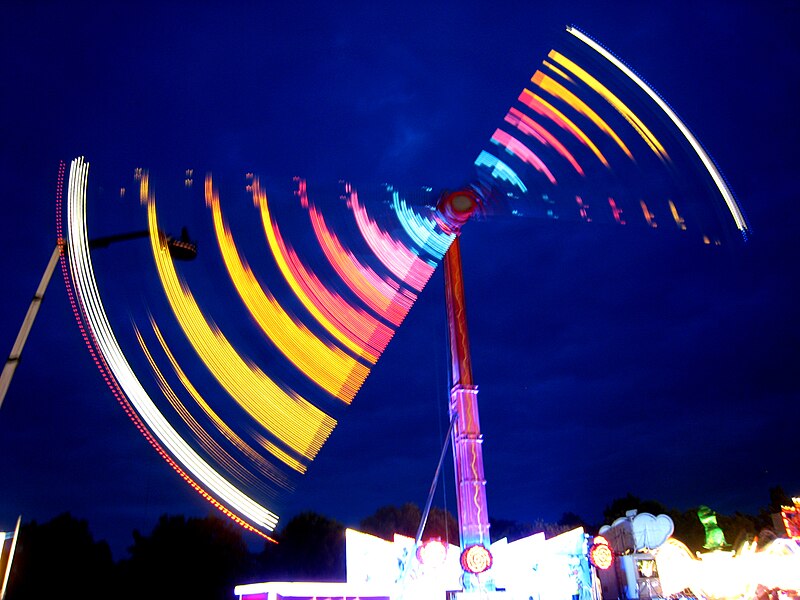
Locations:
{"points": [[600, 554]]}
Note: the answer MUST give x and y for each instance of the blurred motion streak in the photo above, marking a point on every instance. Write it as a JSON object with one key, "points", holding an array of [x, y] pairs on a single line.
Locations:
{"points": [[402, 262], [293, 420], [105, 349], [325, 364], [520, 150], [545, 109], [555, 89], [531, 128], [620, 106], [308, 288], [708, 163], [263, 465]]}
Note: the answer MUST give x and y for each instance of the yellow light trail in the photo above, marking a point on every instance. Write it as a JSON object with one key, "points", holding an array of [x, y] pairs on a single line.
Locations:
{"points": [[280, 253], [107, 346], [209, 444], [263, 465], [285, 414], [618, 104], [723, 188], [544, 108], [552, 87], [328, 366]]}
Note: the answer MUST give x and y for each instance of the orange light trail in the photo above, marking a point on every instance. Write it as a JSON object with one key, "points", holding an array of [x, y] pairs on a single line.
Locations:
{"points": [[676, 216], [648, 216], [544, 108], [382, 296], [555, 89], [285, 414], [531, 128], [309, 290], [557, 71], [620, 106], [328, 366]]}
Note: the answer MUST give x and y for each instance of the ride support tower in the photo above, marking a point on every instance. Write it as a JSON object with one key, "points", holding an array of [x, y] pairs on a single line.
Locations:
{"points": [[473, 516]]}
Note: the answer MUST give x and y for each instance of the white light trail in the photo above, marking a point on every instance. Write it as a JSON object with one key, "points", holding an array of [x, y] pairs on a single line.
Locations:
{"points": [[723, 188], [101, 331]]}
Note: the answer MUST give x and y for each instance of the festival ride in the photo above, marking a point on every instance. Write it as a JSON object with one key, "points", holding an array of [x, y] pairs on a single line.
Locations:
{"points": [[586, 140]]}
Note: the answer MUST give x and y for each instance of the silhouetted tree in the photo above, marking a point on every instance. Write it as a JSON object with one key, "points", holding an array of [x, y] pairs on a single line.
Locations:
{"points": [[405, 520], [619, 506], [311, 547], [778, 498], [688, 528], [571, 520], [59, 558], [388, 520], [185, 558], [442, 524], [510, 529]]}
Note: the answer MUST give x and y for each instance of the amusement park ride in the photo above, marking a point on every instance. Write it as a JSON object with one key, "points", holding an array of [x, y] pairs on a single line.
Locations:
{"points": [[587, 139]]}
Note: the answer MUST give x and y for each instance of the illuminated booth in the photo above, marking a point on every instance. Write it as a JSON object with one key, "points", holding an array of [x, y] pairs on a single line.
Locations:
{"points": [[557, 568]]}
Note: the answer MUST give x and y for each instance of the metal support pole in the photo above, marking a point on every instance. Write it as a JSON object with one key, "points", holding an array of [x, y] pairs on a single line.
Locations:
{"points": [[181, 248], [423, 521], [27, 324], [473, 517]]}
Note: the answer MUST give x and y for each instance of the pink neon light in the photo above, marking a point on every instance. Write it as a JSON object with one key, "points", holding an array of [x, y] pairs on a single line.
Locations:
{"points": [[531, 128], [524, 153], [347, 319], [616, 211], [533, 102], [583, 209], [383, 296], [357, 325], [402, 262]]}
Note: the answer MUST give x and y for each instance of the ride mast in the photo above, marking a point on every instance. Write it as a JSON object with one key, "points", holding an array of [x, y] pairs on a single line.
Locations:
{"points": [[473, 517]]}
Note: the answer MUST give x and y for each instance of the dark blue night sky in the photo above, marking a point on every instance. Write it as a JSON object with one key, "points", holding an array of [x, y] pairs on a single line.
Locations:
{"points": [[607, 363]]}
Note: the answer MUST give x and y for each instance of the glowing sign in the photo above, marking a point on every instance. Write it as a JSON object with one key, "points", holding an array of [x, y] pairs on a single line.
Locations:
{"points": [[476, 559], [791, 519]]}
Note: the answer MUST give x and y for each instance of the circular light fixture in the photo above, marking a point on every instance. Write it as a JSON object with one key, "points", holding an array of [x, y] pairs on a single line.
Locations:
{"points": [[600, 555], [476, 559], [432, 553]]}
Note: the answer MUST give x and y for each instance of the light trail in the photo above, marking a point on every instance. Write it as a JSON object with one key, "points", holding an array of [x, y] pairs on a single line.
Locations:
{"points": [[328, 366], [708, 163], [424, 231], [307, 288], [102, 337], [293, 420], [544, 108], [612, 99], [521, 151], [555, 89], [383, 296], [533, 129], [263, 465], [395, 256]]}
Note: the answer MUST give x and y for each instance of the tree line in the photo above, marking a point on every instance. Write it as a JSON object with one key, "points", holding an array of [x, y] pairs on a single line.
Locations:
{"points": [[204, 558]]}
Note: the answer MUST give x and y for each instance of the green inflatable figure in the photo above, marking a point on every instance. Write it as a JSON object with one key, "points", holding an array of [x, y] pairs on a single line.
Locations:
{"points": [[715, 538]]}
